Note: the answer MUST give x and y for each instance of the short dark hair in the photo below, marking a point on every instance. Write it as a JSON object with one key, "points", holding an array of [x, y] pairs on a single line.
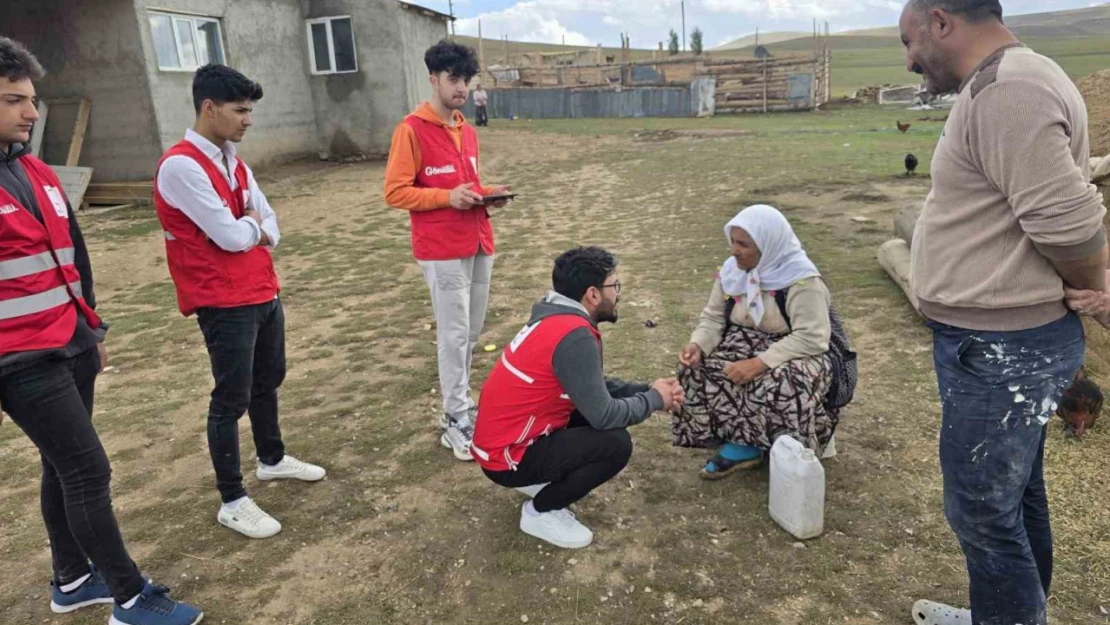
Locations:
{"points": [[222, 84], [578, 269], [974, 11], [17, 63], [453, 58]]}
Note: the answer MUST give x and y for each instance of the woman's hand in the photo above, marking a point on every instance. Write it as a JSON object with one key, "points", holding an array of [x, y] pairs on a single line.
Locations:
{"points": [[690, 356], [744, 371]]}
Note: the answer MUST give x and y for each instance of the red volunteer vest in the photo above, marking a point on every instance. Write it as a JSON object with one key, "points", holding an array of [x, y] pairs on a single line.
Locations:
{"points": [[447, 233], [40, 288], [205, 275], [522, 400]]}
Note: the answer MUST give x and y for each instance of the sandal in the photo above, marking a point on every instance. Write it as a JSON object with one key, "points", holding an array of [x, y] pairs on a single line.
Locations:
{"points": [[720, 467]]}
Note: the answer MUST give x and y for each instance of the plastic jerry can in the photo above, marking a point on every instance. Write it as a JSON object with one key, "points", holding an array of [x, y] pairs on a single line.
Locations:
{"points": [[797, 492]]}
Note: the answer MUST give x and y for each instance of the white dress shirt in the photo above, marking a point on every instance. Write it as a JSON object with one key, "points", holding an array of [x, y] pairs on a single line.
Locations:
{"points": [[183, 183]]}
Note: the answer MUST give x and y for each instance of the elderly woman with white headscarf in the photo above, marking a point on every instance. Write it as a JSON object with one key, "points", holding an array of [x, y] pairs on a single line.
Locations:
{"points": [[761, 371]]}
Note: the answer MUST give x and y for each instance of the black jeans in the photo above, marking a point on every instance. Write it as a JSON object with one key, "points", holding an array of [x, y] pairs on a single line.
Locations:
{"points": [[483, 116], [247, 348], [575, 461], [51, 400], [998, 391]]}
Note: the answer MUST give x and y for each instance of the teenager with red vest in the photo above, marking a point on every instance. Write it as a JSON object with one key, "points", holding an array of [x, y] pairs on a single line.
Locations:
{"points": [[550, 424], [433, 172], [219, 232], [51, 350]]}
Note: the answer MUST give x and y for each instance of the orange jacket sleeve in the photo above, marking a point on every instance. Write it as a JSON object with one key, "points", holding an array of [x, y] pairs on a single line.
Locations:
{"points": [[400, 176]]}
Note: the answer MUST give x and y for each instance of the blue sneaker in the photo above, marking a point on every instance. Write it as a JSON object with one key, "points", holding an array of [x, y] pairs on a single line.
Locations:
{"points": [[154, 607], [93, 591]]}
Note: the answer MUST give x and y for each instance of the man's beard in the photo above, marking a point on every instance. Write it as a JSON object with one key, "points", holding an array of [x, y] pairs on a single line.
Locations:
{"points": [[939, 80], [605, 315]]}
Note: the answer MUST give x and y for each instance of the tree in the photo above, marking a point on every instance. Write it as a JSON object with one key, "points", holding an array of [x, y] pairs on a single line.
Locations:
{"points": [[695, 41], [673, 45]]}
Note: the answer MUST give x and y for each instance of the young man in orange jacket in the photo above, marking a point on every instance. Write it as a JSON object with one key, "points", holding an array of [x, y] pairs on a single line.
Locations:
{"points": [[433, 172]]}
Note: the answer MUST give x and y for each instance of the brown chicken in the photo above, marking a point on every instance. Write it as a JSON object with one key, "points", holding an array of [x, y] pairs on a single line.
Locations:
{"points": [[903, 127], [1081, 404]]}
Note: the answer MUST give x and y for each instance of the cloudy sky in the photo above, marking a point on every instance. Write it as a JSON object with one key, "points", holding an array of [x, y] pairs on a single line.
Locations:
{"points": [[589, 22]]}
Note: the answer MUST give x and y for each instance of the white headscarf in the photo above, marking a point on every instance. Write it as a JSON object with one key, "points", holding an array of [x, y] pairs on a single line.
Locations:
{"points": [[783, 261]]}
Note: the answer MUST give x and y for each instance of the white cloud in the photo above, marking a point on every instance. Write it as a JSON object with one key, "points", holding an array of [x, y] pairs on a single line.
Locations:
{"points": [[535, 21]]}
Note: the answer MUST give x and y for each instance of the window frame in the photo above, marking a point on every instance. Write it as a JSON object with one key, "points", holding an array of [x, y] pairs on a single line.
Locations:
{"points": [[194, 21], [327, 21]]}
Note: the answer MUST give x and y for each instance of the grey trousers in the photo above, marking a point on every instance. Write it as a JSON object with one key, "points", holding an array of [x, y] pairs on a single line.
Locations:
{"points": [[460, 297]]}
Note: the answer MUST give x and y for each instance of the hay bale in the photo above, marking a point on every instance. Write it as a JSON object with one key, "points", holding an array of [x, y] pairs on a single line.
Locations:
{"points": [[894, 258], [904, 223]]}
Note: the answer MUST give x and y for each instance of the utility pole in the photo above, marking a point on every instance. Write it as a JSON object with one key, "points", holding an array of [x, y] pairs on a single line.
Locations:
{"points": [[451, 11], [684, 25]]}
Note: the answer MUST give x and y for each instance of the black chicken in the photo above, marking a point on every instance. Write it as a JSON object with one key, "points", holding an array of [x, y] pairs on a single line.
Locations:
{"points": [[1081, 404], [911, 164]]}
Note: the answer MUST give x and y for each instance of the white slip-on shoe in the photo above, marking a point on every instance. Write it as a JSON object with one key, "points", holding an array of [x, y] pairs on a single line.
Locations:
{"points": [[933, 613], [245, 517], [558, 527], [290, 469]]}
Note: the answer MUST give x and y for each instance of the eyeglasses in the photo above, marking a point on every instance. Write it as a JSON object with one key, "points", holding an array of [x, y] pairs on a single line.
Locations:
{"points": [[616, 286]]}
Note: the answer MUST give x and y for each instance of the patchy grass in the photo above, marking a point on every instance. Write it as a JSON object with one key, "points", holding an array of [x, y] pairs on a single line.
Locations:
{"points": [[400, 532]]}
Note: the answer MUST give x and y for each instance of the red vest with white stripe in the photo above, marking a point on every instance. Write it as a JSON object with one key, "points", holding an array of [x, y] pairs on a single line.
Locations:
{"points": [[40, 288], [205, 275], [448, 233], [522, 400]]}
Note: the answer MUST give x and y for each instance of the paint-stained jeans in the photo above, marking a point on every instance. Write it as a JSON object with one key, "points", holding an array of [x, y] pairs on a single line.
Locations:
{"points": [[998, 391]]}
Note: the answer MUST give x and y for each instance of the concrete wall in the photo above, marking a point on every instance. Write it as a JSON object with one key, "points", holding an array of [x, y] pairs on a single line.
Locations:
{"points": [[357, 112], [568, 104], [264, 39], [91, 49]]}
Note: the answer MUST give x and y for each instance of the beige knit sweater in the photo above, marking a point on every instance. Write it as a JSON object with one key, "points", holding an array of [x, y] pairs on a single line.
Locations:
{"points": [[1010, 195], [807, 303]]}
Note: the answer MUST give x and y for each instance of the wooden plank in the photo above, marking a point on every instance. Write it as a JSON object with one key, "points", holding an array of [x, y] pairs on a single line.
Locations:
{"points": [[75, 182], [39, 131], [79, 128], [119, 192], [764, 85]]}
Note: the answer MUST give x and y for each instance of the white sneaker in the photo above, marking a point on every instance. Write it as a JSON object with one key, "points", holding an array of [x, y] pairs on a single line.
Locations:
{"points": [[531, 491], [245, 517], [290, 469], [830, 449], [457, 438], [933, 613], [558, 527]]}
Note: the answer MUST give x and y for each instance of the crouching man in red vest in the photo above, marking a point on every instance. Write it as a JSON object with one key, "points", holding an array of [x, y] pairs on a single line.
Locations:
{"points": [[219, 232], [550, 424], [51, 350], [433, 173]]}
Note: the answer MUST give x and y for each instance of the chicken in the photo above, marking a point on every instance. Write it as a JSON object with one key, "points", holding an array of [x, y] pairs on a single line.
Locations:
{"points": [[1081, 404], [902, 127], [911, 164]]}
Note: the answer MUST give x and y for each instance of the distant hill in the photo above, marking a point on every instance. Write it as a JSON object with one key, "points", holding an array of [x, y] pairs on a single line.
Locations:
{"points": [[1088, 22], [764, 39]]}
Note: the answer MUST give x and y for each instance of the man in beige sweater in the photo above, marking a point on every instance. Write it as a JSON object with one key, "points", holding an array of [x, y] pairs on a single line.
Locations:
{"points": [[1010, 223]]}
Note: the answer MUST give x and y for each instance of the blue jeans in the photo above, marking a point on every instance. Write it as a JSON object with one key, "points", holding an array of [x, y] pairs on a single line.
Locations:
{"points": [[998, 391]]}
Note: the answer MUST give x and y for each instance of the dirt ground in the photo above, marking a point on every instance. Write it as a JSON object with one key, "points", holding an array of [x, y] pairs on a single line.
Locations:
{"points": [[1096, 91], [401, 532]]}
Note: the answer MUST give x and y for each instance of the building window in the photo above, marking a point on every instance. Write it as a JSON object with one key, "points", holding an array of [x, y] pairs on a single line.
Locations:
{"points": [[331, 46], [186, 42]]}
